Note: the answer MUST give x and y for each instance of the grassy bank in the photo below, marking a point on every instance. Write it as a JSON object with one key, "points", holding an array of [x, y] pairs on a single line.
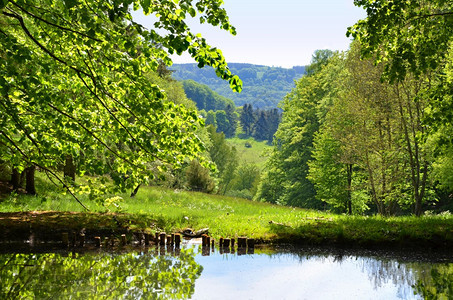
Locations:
{"points": [[162, 209]]}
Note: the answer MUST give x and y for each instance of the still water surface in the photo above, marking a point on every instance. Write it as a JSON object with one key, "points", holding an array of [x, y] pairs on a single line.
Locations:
{"points": [[283, 273]]}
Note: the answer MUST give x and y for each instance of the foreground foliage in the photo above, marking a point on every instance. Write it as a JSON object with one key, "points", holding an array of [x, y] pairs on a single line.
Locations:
{"points": [[74, 88]]}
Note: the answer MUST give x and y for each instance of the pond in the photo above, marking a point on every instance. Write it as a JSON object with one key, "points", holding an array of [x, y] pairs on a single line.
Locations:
{"points": [[196, 273]]}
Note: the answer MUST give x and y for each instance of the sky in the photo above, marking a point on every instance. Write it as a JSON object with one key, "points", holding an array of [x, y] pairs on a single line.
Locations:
{"points": [[280, 33]]}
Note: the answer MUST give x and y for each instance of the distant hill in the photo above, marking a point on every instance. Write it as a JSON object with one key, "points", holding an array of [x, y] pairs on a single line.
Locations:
{"points": [[264, 87], [204, 96]]}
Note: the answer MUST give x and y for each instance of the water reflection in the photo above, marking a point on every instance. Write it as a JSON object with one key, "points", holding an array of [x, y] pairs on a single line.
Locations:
{"points": [[131, 275], [205, 273], [319, 274]]}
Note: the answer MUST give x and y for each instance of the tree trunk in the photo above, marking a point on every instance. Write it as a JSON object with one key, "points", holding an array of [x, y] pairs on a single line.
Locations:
{"points": [[30, 180], [349, 168], [15, 179], [135, 191], [69, 168]]}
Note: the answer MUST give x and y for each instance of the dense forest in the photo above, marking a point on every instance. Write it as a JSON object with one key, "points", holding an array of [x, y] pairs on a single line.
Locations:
{"points": [[263, 86], [352, 142]]}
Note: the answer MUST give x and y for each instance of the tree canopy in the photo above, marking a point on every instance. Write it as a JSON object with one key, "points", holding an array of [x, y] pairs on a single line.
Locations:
{"points": [[72, 82], [410, 36]]}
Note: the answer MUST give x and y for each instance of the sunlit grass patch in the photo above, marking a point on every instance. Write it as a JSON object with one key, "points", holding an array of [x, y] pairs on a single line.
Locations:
{"points": [[156, 208]]}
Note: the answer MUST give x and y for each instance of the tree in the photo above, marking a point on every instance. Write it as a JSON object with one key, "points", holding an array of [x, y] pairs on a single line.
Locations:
{"points": [[224, 156], [210, 118], [260, 129], [72, 80], [245, 177], [331, 178], [222, 121], [408, 36], [198, 178], [413, 41], [232, 118], [247, 119], [319, 59], [273, 120], [285, 179]]}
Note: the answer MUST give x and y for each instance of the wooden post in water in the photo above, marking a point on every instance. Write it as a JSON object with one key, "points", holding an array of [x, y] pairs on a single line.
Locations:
{"points": [[106, 241], [65, 239], [123, 239], [221, 242], [226, 243], [156, 238], [97, 241], [251, 246], [168, 240], [172, 240], [203, 240], [242, 242], [177, 240], [146, 239], [208, 241], [162, 238]]}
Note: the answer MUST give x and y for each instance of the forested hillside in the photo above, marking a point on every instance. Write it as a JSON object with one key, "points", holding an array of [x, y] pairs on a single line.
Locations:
{"points": [[263, 87], [204, 97]]}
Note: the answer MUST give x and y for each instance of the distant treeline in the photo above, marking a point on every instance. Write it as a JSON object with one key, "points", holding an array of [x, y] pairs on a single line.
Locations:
{"points": [[264, 87], [258, 123], [225, 117]]}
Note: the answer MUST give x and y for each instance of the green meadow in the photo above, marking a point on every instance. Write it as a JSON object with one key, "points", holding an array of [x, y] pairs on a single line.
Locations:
{"points": [[159, 209], [256, 152]]}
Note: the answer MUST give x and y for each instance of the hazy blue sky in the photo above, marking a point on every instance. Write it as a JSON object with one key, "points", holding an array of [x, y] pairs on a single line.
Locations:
{"points": [[279, 32]]}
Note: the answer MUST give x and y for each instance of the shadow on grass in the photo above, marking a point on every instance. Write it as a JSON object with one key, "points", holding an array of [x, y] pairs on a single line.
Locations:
{"points": [[434, 233]]}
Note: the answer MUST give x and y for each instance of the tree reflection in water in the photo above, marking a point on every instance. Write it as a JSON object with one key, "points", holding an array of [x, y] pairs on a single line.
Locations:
{"points": [[425, 277], [130, 275], [439, 283]]}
